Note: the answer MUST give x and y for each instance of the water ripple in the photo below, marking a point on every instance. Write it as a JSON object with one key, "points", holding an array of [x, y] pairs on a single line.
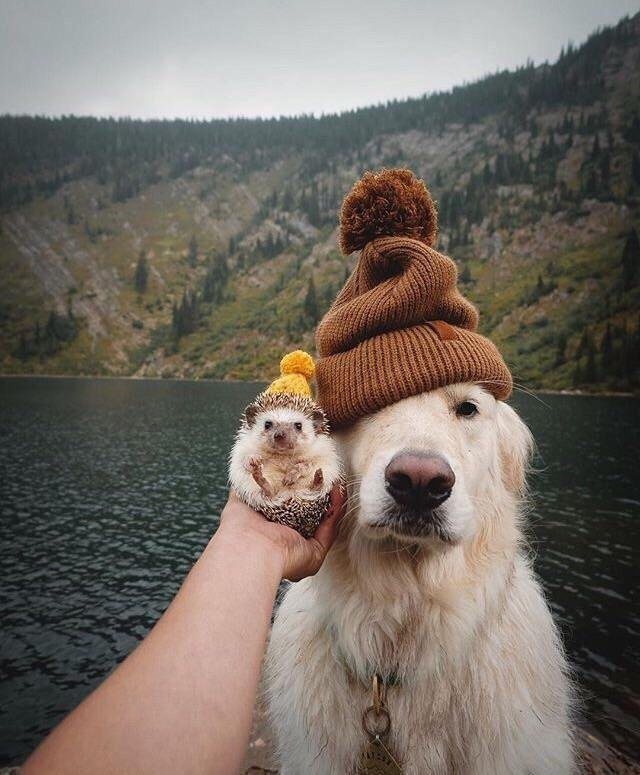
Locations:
{"points": [[110, 490]]}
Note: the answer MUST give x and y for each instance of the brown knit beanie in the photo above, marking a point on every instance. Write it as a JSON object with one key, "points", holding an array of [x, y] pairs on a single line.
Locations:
{"points": [[399, 326]]}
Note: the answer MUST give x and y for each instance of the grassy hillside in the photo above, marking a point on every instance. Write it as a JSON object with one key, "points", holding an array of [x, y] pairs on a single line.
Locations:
{"points": [[206, 249]]}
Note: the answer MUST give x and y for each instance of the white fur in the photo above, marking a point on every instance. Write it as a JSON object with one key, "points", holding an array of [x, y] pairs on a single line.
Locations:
{"points": [[314, 450], [483, 684]]}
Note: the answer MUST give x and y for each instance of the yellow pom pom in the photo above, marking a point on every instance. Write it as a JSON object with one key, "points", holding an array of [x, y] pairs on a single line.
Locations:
{"points": [[296, 368], [298, 362]]}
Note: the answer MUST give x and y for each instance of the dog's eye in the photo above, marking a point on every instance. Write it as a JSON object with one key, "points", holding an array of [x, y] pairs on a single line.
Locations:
{"points": [[466, 409], [268, 425], [297, 426]]}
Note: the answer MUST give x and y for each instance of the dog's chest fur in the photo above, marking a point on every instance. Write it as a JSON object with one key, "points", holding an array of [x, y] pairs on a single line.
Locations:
{"points": [[463, 698]]}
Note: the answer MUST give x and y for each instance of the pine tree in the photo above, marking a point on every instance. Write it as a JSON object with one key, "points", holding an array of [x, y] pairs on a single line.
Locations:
{"points": [[192, 251], [605, 171], [141, 275], [185, 315], [311, 302], [606, 347], [583, 347], [23, 352], [630, 260], [591, 368], [215, 281], [287, 199], [632, 133], [635, 169], [590, 186], [561, 346], [576, 378]]}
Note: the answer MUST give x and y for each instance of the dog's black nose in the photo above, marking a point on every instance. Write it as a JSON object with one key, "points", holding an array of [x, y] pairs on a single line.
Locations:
{"points": [[419, 480]]}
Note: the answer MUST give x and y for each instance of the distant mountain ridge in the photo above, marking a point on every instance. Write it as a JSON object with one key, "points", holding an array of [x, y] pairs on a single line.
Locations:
{"points": [[207, 248]]}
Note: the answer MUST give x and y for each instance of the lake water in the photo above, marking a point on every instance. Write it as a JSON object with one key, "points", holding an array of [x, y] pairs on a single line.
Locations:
{"points": [[109, 490]]}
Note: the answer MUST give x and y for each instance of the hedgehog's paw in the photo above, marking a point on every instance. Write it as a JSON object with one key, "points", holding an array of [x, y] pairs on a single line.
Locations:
{"points": [[254, 467], [318, 479], [252, 464]]}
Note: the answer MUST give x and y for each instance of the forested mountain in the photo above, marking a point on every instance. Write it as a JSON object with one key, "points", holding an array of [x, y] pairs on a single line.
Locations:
{"points": [[207, 248]]}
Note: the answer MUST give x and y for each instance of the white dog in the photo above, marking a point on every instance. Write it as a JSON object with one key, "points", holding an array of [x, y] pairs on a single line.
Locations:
{"points": [[429, 586]]}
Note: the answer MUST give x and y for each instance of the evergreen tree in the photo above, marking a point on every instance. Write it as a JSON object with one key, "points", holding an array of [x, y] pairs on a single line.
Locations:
{"points": [[590, 185], [632, 133], [311, 302], [23, 350], [630, 261], [583, 346], [561, 346], [465, 274], [287, 199], [635, 169], [141, 275], [591, 368], [192, 251], [606, 348], [185, 315], [215, 281], [576, 377]]}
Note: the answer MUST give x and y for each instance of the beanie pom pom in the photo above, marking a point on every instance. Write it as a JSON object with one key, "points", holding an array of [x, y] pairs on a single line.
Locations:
{"points": [[389, 203], [297, 362]]}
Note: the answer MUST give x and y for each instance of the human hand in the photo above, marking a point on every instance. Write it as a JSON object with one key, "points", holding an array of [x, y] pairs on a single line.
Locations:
{"points": [[299, 557]]}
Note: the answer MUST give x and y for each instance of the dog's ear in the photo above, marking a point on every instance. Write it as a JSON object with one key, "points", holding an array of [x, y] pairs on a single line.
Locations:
{"points": [[515, 447]]}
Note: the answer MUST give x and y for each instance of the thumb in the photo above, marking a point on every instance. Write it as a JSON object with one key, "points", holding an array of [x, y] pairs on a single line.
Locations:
{"points": [[328, 528]]}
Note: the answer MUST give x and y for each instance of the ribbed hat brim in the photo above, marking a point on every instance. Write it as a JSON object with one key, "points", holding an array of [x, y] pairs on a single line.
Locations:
{"points": [[386, 368]]}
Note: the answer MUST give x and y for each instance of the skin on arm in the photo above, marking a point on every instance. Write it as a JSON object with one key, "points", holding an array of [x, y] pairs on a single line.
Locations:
{"points": [[183, 700]]}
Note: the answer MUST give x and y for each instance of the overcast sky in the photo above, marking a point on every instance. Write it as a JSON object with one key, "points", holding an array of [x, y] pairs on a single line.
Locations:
{"points": [[162, 58]]}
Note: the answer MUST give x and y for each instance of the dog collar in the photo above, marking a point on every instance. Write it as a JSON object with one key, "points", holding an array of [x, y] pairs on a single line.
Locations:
{"points": [[386, 678]]}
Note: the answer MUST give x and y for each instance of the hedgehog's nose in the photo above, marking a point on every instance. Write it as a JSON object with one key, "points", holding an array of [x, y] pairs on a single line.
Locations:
{"points": [[281, 439]]}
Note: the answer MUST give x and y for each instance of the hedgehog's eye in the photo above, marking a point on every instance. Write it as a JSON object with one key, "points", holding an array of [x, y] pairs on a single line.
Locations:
{"points": [[297, 426], [268, 425]]}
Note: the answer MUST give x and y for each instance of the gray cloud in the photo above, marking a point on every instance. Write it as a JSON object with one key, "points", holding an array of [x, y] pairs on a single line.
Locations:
{"points": [[152, 58]]}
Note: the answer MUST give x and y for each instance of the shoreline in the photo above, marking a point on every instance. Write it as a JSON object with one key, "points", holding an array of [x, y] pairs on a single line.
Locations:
{"points": [[537, 391], [132, 378]]}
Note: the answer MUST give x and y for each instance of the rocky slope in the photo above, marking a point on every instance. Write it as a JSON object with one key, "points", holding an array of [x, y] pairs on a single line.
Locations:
{"points": [[207, 249]]}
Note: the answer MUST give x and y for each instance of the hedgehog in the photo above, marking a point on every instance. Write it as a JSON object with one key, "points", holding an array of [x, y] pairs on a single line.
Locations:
{"points": [[284, 462]]}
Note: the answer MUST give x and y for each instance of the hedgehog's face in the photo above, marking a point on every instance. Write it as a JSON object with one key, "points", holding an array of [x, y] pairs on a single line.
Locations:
{"points": [[282, 430]]}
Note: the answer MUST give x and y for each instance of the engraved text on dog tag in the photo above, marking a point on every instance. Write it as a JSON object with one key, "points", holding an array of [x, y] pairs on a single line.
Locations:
{"points": [[375, 759]]}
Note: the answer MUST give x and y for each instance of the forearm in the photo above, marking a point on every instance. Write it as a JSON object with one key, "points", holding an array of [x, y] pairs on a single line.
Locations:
{"points": [[182, 701]]}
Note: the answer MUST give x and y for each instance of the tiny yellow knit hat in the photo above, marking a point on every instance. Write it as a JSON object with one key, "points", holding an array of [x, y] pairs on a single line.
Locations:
{"points": [[296, 369]]}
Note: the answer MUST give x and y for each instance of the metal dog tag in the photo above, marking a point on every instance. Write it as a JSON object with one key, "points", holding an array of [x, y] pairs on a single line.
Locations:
{"points": [[375, 759]]}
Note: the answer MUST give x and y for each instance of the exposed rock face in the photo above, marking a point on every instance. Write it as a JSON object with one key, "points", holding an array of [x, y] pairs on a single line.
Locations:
{"points": [[537, 195]]}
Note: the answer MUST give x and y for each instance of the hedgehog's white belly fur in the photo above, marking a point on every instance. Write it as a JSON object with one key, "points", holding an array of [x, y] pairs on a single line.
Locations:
{"points": [[323, 455]]}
